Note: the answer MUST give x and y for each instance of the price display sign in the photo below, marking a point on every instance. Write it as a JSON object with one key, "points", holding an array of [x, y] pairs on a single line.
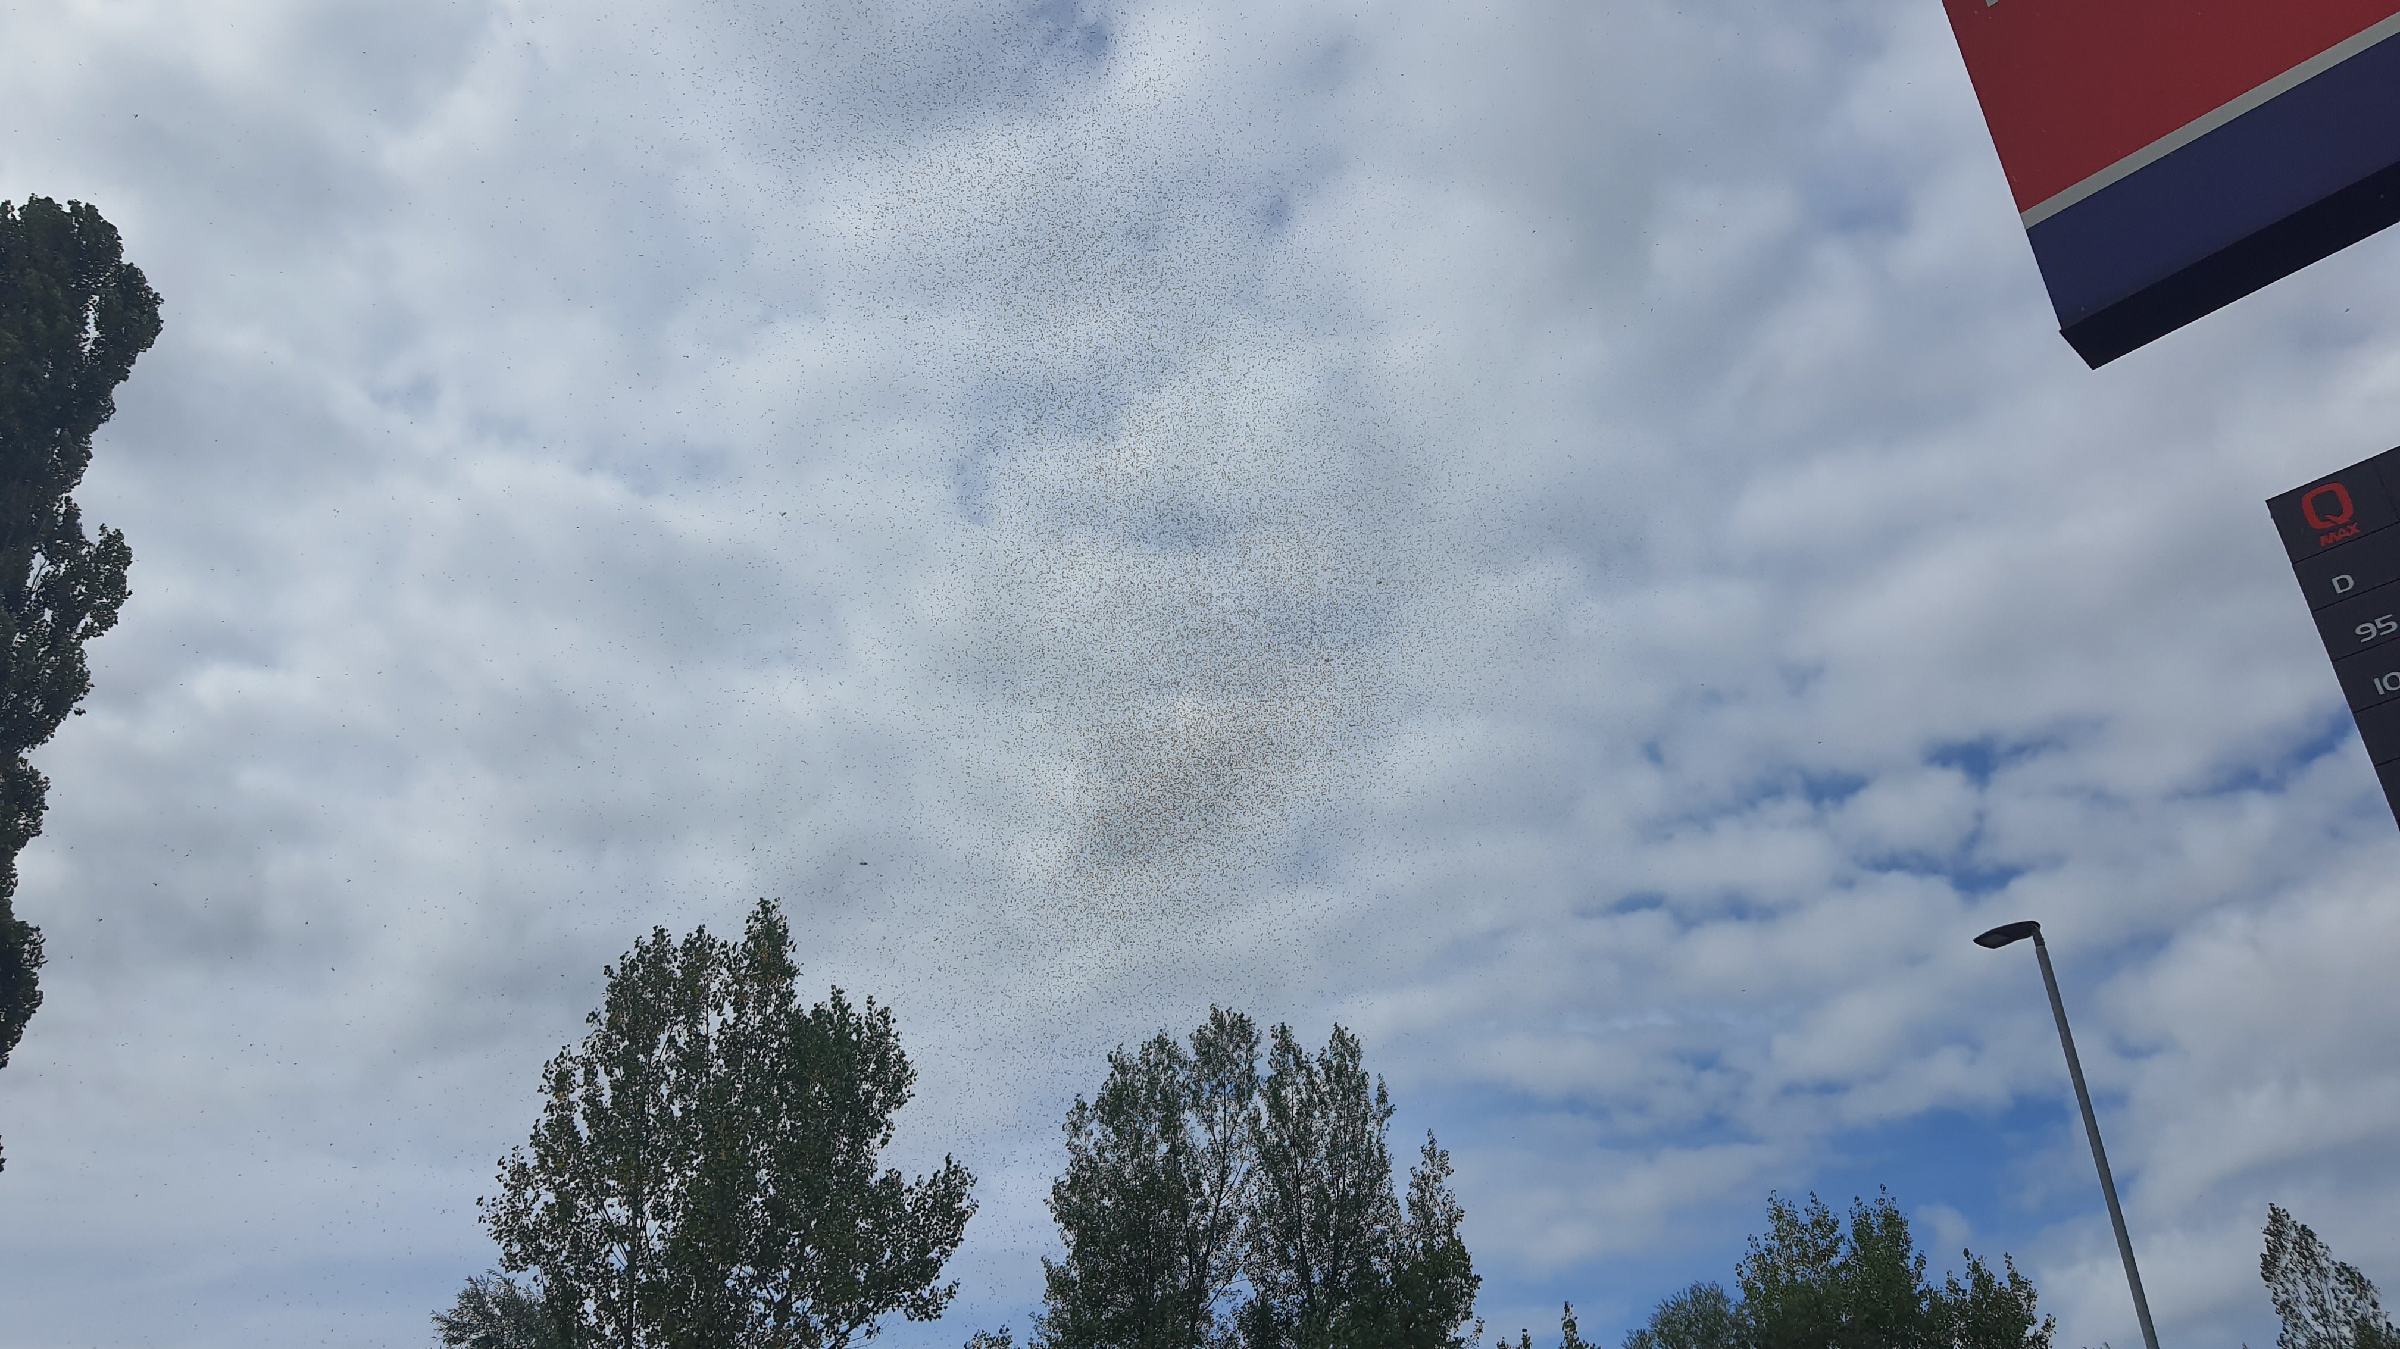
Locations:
{"points": [[2171, 156], [2342, 533]]}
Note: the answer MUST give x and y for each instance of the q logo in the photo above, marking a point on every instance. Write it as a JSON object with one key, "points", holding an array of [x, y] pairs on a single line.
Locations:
{"points": [[2327, 507]]}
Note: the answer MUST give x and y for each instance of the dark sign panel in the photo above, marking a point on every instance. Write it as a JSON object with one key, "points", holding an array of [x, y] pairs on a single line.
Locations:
{"points": [[2171, 156], [2342, 533]]}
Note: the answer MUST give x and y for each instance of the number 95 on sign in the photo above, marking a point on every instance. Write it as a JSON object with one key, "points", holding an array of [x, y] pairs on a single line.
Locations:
{"points": [[2353, 625]]}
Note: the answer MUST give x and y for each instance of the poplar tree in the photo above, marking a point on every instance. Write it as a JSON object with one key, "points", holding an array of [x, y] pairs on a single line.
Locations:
{"points": [[1205, 1206], [705, 1171], [1809, 1281], [1326, 1218], [494, 1311], [1702, 1316], [74, 316], [2322, 1302], [1158, 1179], [1812, 1280]]}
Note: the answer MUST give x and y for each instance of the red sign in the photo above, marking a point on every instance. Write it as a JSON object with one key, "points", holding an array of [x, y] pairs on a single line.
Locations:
{"points": [[2072, 87], [2169, 156]]}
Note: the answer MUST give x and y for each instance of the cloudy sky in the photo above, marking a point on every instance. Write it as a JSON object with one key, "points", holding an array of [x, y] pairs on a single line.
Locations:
{"points": [[1565, 540]]}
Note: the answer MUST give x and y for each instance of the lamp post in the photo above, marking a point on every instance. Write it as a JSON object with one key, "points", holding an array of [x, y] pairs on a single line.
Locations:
{"points": [[2004, 935]]}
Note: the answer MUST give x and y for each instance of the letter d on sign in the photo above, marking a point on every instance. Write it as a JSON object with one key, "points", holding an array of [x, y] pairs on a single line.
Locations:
{"points": [[2344, 584]]}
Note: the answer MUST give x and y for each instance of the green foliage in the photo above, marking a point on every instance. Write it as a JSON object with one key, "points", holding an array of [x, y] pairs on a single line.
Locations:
{"points": [[1333, 1261], [1811, 1280], [1978, 1308], [1793, 1280], [74, 316], [1807, 1283], [1159, 1173], [1192, 1180], [496, 1312], [1700, 1317], [705, 1169], [1431, 1283], [1325, 1208], [2322, 1302], [1568, 1336]]}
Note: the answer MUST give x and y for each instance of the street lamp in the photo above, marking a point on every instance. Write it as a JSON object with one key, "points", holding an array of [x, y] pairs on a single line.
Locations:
{"points": [[2004, 935]]}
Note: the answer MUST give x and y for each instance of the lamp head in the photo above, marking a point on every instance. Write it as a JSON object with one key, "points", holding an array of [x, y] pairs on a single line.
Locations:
{"points": [[2007, 933]]}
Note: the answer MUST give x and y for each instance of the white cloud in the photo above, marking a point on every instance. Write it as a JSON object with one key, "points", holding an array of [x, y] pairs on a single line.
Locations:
{"points": [[1569, 533]]}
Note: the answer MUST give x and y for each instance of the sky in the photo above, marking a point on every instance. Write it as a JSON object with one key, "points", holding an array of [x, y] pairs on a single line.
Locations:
{"points": [[1561, 537]]}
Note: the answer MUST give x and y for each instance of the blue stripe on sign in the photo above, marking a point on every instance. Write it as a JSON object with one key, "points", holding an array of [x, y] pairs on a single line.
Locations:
{"points": [[2327, 134]]}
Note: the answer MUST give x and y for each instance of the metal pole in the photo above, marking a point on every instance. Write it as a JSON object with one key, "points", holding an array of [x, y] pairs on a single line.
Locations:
{"points": [[2091, 1127]]}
